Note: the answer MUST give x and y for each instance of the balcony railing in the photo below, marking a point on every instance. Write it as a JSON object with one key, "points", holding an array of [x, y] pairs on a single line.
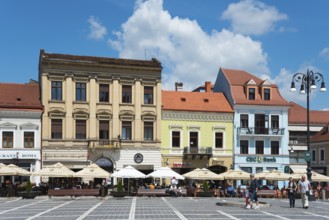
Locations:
{"points": [[260, 130], [104, 143]]}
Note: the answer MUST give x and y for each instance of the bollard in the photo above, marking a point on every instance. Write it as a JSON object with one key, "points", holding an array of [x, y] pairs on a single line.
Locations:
{"points": [[323, 194]]}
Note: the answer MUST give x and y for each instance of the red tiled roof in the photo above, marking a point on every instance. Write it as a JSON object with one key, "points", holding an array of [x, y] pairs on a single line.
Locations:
{"points": [[298, 115], [238, 80], [322, 135], [20, 96], [195, 101], [99, 60]]}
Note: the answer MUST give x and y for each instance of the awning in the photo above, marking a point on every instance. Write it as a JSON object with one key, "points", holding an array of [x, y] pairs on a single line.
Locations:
{"points": [[298, 168]]}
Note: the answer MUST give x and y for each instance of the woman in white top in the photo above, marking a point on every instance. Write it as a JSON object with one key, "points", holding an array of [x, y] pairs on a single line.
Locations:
{"points": [[304, 187]]}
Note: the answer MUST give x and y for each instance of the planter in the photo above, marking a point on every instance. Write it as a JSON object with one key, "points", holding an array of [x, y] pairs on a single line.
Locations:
{"points": [[206, 194], [119, 194], [28, 195]]}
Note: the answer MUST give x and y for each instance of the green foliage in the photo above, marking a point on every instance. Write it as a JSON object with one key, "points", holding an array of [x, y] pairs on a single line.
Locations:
{"points": [[120, 186], [205, 186], [28, 186]]}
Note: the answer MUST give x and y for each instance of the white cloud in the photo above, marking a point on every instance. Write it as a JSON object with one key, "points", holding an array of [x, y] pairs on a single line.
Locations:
{"points": [[252, 17], [97, 30], [188, 54], [324, 53]]}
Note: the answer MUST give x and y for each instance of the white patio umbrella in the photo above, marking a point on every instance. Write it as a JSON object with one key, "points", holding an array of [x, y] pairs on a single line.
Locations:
{"points": [[165, 172], [56, 170], [277, 175], [92, 171], [20, 171], [128, 172], [235, 175], [316, 177], [7, 171], [202, 174]]}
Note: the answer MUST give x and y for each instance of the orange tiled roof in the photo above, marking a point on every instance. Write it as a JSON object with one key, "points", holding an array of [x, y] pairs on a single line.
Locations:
{"points": [[195, 101], [322, 135], [20, 96], [238, 80], [298, 115]]}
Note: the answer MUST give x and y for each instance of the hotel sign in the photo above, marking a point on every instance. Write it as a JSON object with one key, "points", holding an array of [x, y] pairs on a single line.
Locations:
{"points": [[261, 159]]}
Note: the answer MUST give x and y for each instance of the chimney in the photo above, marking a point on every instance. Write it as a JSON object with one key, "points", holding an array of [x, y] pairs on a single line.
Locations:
{"points": [[207, 87]]}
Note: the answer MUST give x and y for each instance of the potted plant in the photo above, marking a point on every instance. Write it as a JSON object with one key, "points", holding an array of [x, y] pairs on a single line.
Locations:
{"points": [[205, 192], [119, 192], [28, 193]]}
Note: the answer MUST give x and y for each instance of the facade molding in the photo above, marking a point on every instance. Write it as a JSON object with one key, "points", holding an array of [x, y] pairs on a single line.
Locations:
{"points": [[200, 117]]}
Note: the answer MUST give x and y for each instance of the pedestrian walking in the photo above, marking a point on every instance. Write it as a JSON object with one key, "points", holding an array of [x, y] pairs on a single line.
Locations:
{"points": [[254, 186], [304, 188], [292, 189]]}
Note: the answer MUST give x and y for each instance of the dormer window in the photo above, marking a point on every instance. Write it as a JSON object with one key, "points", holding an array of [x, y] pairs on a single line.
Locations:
{"points": [[251, 93], [267, 94]]}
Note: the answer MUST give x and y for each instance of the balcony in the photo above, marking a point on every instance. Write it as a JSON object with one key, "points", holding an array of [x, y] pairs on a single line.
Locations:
{"points": [[105, 144], [200, 152], [260, 131]]}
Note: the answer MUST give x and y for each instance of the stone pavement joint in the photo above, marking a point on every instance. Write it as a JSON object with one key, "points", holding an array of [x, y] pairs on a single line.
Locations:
{"points": [[49, 210]]}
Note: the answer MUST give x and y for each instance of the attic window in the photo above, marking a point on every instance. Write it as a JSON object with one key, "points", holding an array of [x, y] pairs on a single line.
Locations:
{"points": [[267, 94], [18, 99], [183, 99], [251, 94], [206, 100]]}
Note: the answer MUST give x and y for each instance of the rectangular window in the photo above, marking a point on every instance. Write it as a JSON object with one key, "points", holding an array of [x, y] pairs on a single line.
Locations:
{"points": [[148, 95], [313, 155], [126, 94], [321, 154], [56, 128], [29, 139], [275, 122], [56, 90], [218, 140], [193, 139], [267, 94], [126, 130], [251, 94], [80, 129], [104, 93], [260, 124], [148, 131], [244, 121], [259, 147], [275, 146], [7, 139], [175, 141], [244, 147], [80, 92], [104, 130]]}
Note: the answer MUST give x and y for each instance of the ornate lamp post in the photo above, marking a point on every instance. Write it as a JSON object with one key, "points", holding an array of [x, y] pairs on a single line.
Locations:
{"points": [[308, 82]]}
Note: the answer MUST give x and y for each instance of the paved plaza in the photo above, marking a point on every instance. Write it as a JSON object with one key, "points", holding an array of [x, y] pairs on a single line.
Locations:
{"points": [[153, 208]]}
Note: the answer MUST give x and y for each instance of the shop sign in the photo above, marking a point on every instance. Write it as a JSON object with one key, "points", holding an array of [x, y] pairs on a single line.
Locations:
{"points": [[19, 155], [261, 159], [182, 164]]}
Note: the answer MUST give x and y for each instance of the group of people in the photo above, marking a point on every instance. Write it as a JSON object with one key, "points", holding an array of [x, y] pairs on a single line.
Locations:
{"points": [[304, 187]]}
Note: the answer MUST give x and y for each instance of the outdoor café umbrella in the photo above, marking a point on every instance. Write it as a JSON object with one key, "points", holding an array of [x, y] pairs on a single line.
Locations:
{"points": [[235, 175], [20, 171], [316, 177], [7, 171], [262, 174], [202, 174], [56, 170], [165, 172], [92, 171], [128, 172], [276, 176]]}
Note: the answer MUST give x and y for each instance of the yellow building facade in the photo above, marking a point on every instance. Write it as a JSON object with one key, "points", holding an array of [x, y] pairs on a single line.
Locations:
{"points": [[100, 110], [197, 131]]}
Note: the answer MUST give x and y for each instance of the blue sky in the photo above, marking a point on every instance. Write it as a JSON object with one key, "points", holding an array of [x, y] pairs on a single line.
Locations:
{"points": [[192, 38]]}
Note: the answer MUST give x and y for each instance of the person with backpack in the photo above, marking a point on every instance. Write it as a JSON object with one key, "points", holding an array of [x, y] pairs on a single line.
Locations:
{"points": [[292, 190]]}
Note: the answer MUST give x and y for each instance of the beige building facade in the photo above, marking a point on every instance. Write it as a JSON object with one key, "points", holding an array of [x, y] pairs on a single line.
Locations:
{"points": [[101, 110]]}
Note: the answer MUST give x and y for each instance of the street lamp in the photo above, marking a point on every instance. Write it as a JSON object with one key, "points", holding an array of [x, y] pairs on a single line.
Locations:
{"points": [[308, 82]]}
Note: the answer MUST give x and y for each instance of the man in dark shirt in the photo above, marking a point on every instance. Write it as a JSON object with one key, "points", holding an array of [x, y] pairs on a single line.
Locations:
{"points": [[253, 188]]}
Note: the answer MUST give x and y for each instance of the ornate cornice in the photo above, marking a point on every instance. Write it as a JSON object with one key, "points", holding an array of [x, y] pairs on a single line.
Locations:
{"points": [[189, 116]]}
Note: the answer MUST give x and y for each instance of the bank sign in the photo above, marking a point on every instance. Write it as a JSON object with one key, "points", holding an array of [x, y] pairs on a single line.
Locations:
{"points": [[261, 160]]}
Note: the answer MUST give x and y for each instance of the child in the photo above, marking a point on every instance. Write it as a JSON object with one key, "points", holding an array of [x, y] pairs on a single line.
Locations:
{"points": [[246, 195]]}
